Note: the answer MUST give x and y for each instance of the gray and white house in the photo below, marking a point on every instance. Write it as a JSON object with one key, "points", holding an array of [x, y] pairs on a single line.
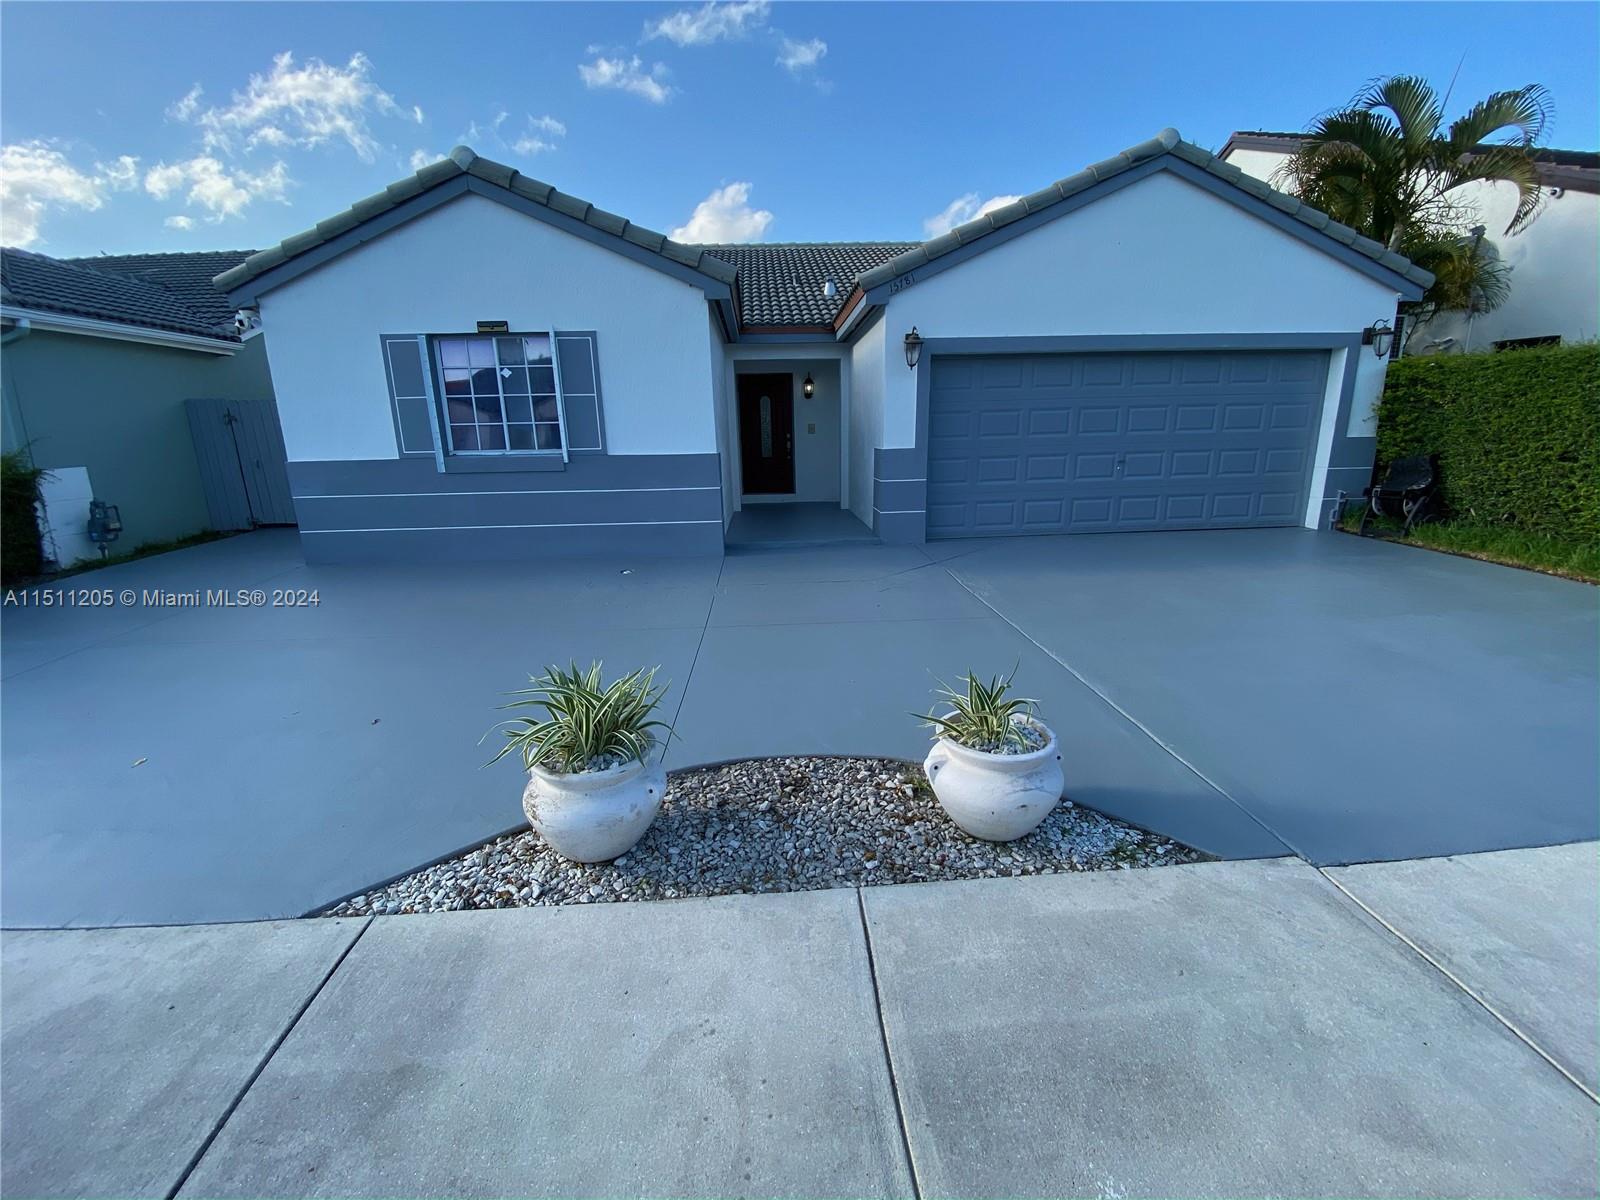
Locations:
{"points": [[472, 364]]}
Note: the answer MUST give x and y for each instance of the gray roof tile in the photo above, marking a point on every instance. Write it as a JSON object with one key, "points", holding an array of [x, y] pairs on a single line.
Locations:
{"points": [[173, 292], [1166, 142], [462, 160], [784, 283]]}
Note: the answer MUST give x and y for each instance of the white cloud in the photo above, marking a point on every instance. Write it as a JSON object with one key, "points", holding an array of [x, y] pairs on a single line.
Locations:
{"points": [[724, 216], [205, 182], [538, 134], [297, 105], [179, 222], [711, 22], [797, 57], [421, 158], [961, 210], [37, 178], [547, 124], [121, 175], [627, 75]]}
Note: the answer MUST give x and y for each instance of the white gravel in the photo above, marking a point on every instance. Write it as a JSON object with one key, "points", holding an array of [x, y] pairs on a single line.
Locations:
{"points": [[773, 825]]}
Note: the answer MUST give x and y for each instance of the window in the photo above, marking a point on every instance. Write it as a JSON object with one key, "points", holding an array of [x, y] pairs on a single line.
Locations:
{"points": [[500, 394]]}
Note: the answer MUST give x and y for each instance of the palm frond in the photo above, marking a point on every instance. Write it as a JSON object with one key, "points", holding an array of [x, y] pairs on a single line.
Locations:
{"points": [[1413, 104]]}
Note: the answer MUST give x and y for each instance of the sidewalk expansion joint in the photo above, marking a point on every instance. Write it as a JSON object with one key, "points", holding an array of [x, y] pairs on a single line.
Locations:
{"points": [[222, 1121], [1461, 984], [888, 1058]]}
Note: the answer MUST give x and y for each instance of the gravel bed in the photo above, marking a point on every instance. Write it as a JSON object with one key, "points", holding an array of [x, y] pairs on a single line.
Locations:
{"points": [[773, 825]]}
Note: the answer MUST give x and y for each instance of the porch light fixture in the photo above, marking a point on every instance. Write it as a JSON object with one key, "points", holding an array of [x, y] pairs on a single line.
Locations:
{"points": [[1380, 336], [913, 348], [808, 389]]}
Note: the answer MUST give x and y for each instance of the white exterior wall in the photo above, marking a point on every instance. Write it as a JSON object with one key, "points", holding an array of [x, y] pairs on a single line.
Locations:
{"points": [[1161, 256], [864, 429], [1555, 264], [470, 260], [727, 434]]}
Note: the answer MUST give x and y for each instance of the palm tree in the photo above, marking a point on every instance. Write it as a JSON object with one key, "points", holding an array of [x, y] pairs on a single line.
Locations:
{"points": [[1386, 166]]}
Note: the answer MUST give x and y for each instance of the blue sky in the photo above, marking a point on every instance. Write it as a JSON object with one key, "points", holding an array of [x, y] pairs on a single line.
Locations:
{"points": [[778, 122]]}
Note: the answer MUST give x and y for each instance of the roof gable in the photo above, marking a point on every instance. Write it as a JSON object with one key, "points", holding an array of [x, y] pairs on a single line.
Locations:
{"points": [[1165, 151], [437, 183]]}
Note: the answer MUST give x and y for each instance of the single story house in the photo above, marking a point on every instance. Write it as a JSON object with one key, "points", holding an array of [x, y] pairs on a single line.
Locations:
{"points": [[472, 364], [1554, 259], [105, 362]]}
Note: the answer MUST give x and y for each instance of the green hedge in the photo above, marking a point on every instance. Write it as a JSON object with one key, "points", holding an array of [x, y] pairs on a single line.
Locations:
{"points": [[1517, 434], [21, 554]]}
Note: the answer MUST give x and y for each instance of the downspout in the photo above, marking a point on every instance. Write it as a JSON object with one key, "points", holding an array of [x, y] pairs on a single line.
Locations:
{"points": [[21, 328]]}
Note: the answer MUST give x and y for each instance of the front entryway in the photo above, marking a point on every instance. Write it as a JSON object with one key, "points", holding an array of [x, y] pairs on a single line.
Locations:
{"points": [[813, 524], [1100, 443], [766, 434]]}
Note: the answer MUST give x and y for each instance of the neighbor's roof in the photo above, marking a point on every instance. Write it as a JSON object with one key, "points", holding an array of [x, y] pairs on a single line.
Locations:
{"points": [[154, 291], [1166, 142], [1557, 168], [464, 161], [785, 283], [187, 276]]}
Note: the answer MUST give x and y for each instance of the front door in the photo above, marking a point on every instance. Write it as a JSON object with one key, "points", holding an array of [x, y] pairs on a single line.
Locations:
{"points": [[766, 434]]}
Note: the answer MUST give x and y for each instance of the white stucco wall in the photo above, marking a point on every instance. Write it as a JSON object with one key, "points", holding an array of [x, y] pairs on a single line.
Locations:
{"points": [[727, 439], [472, 260], [865, 425], [1555, 264]]}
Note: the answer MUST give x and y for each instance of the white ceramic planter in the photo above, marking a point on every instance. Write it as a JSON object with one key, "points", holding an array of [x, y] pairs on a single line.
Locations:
{"points": [[996, 797], [594, 816]]}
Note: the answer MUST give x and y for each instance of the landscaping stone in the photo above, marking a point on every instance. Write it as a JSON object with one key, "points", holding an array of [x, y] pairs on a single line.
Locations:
{"points": [[773, 825]]}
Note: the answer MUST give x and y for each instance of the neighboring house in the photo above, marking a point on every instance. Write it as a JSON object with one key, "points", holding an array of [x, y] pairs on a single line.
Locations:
{"points": [[1554, 260], [101, 357], [472, 364]]}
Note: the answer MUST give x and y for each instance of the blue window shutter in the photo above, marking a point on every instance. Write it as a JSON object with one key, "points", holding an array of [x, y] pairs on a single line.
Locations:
{"points": [[578, 360], [405, 366]]}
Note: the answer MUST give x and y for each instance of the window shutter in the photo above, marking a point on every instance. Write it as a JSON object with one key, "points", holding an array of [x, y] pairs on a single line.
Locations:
{"points": [[578, 361], [405, 363]]}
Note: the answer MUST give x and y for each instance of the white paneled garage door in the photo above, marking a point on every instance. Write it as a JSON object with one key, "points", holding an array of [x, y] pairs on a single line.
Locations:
{"points": [[1089, 443]]}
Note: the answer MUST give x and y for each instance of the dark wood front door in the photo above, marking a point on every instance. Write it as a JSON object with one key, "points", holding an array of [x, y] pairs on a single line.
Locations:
{"points": [[766, 433]]}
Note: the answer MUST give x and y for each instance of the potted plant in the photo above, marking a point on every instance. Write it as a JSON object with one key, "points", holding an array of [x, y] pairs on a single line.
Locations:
{"points": [[595, 781], [995, 767]]}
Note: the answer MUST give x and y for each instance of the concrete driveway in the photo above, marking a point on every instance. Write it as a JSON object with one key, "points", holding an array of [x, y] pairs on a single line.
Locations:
{"points": [[1251, 693]]}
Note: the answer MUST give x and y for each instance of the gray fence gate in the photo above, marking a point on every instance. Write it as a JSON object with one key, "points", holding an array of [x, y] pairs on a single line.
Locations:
{"points": [[242, 462]]}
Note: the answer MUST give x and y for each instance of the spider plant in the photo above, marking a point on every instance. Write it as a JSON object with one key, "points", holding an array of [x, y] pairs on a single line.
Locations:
{"points": [[983, 717], [585, 722]]}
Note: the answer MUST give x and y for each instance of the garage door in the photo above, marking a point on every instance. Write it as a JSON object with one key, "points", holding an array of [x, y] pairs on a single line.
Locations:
{"points": [[1090, 443]]}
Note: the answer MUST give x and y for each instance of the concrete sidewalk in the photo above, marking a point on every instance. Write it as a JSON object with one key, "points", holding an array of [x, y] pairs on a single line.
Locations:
{"points": [[1223, 1029]]}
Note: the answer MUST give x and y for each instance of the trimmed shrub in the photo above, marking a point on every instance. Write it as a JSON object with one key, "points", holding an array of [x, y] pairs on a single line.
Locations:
{"points": [[1517, 434], [21, 551]]}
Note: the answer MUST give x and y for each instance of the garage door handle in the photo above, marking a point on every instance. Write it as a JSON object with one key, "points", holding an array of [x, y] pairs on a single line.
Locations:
{"points": [[1118, 467]]}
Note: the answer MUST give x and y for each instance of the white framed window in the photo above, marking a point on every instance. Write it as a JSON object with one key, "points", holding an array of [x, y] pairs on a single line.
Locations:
{"points": [[500, 393]]}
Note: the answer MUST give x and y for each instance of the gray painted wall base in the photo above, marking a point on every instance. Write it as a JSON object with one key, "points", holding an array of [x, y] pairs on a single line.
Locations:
{"points": [[404, 510]]}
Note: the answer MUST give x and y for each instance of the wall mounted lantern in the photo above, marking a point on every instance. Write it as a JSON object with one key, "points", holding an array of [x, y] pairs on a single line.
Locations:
{"points": [[808, 389], [913, 348], [1380, 336]]}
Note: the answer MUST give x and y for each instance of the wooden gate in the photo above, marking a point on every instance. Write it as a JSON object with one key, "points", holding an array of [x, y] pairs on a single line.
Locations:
{"points": [[242, 462]]}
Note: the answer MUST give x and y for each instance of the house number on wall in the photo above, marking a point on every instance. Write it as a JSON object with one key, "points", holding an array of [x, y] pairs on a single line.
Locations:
{"points": [[901, 283]]}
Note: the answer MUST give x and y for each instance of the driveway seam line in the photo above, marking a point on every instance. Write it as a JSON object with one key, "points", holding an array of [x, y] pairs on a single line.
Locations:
{"points": [[888, 1058], [1132, 720], [1483, 1003], [272, 1050], [683, 698]]}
